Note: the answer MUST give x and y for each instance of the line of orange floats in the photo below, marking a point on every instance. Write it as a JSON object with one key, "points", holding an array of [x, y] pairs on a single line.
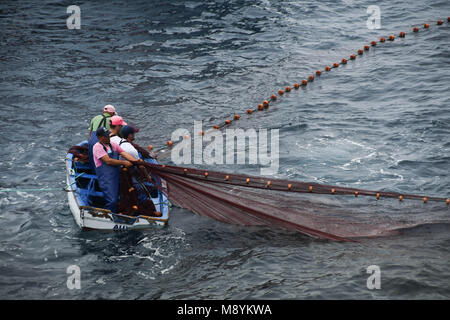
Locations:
{"points": [[310, 188], [304, 82]]}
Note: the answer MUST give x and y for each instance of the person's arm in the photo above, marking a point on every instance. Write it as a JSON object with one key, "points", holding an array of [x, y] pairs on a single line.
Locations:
{"points": [[113, 162], [128, 156]]}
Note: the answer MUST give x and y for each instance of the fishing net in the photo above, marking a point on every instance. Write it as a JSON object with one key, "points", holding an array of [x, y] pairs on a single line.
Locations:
{"points": [[135, 192], [318, 210]]}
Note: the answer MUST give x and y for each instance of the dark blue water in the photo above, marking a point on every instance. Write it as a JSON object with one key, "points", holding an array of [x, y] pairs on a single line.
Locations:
{"points": [[380, 122]]}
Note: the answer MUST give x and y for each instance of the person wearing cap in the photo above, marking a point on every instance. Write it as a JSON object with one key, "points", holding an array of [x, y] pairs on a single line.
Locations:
{"points": [[143, 188], [102, 120], [116, 123], [126, 140], [107, 166]]}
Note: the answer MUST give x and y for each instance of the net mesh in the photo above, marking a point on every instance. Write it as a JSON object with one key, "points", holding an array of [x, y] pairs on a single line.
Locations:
{"points": [[318, 210]]}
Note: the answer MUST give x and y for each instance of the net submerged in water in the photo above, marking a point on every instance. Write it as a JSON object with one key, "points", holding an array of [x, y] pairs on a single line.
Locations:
{"points": [[318, 210]]}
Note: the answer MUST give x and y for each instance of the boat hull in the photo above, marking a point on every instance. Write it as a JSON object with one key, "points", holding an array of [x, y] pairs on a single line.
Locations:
{"points": [[90, 217]]}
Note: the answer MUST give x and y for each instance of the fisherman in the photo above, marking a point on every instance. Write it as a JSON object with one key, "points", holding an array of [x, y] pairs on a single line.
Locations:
{"points": [[139, 178], [115, 123], [126, 140], [107, 166], [102, 120]]}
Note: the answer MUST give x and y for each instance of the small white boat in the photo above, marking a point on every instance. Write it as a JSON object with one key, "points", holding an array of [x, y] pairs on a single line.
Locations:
{"points": [[86, 199]]}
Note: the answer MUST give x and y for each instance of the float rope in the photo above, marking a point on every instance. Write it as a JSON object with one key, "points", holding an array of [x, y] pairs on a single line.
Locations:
{"points": [[280, 184], [265, 104]]}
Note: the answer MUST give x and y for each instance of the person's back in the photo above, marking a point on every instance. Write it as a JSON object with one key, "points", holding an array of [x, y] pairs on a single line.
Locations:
{"points": [[102, 120], [127, 136]]}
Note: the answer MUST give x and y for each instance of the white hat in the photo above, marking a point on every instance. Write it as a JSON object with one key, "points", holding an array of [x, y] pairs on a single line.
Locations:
{"points": [[109, 108]]}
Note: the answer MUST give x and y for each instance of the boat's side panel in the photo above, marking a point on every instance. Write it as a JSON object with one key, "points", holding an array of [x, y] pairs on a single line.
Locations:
{"points": [[74, 208], [104, 221], [71, 187]]}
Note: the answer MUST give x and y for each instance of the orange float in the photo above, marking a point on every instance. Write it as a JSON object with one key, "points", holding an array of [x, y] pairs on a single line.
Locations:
{"points": [[327, 68], [280, 92], [249, 111], [216, 127], [382, 39], [439, 22], [344, 61], [304, 82], [416, 29], [318, 72], [273, 97], [352, 57], [366, 48], [287, 89], [311, 78], [150, 147], [260, 107], [296, 85], [266, 104], [227, 121], [373, 43], [169, 143], [335, 65], [391, 38], [402, 34], [426, 25], [237, 117], [360, 52]]}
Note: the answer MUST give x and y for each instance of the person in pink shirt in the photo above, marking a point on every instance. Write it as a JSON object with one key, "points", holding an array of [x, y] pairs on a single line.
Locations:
{"points": [[107, 167]]}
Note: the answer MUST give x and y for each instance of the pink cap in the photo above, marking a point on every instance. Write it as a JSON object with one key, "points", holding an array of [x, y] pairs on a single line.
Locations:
{"points": [[117, 121], [109, 108]]}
